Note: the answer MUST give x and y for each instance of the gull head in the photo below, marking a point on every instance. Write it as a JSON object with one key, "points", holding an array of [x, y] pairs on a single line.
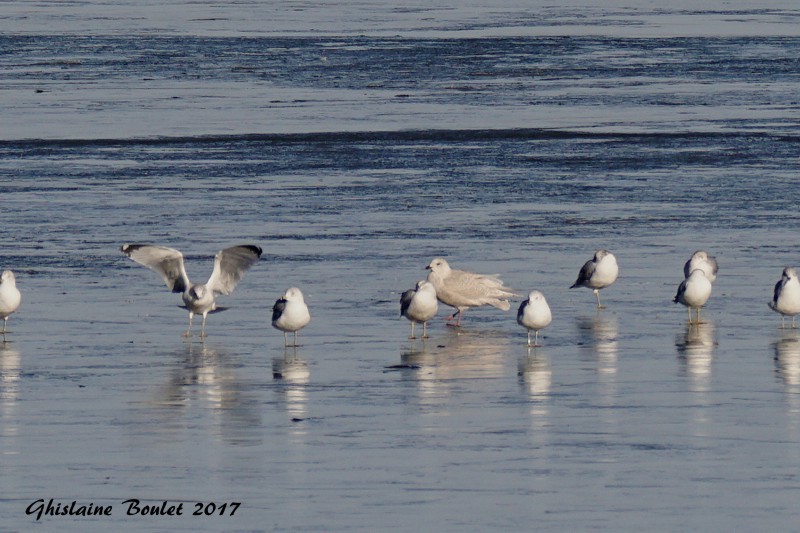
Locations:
{"points": [[198, 291], [600, 254], [7, 276], [536, 296], [788, 273], [439, 266], [293, 294], [701, 255]]}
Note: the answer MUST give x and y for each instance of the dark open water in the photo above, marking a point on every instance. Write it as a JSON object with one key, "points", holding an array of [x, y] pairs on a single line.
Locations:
{"points": [[355, 143]]}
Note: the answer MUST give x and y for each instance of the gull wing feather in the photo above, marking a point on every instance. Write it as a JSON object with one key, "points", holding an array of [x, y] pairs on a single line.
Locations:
{"points": [[278, 308], [230, 265], [521, 310], [687, 268], [476, 287], [166, 262], [585, 274], [681, 291], [778, 289], [405, 300]]}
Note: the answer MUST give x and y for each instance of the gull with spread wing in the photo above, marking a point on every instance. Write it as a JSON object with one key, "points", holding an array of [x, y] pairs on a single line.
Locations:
{"points": [[199, 298]]}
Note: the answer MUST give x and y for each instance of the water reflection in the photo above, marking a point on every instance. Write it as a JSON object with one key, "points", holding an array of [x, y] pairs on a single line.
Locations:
{"points": [[435, 365], [294, 374], [536, 380], [787, 358], [9, 387], [787, 367], [599, 334], [205, 379], [695, 348], [535, 374]]}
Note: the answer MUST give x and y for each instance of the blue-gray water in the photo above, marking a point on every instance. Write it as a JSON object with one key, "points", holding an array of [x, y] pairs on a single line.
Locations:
{"points": [[355, 143]]}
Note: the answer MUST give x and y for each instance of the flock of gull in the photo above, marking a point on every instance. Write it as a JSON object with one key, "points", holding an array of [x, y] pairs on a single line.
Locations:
{"points": [[458, 289]]}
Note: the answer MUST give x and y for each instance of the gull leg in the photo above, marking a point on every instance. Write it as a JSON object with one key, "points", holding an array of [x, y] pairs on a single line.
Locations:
{"points": [[5, 323], [597, 294], [424, 330], [529, 338], [536, 338], [411, 336], [698, 315], [285, 339], [295, 340], [690, 314], [451, 317], [203, 328], [189, 330]]}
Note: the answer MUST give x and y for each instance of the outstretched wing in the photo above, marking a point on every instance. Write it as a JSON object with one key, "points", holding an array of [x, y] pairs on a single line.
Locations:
{"points": [[166, 262], [229, 267]]}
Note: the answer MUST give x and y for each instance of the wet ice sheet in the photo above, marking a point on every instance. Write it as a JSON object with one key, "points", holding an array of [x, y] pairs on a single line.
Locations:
{"points": [[189, 69], [622, 419]]}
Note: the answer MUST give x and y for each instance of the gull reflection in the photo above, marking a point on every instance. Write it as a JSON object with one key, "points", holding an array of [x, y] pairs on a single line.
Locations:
{"points": [[474, 354], [9, 387], [536, 379], [695, 348], [787, 358], [435, 365], [787, 367], [294, 374], [205, 379], [535, 374], [600, 335]]}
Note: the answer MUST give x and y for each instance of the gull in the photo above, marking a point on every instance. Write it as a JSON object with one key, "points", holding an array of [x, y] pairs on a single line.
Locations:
{"points": [[598, 273], [786, 299], [700, 259], [419, 305], [462, 290], [10, 296], [229, 267], [534, 314], [694, 292], [290, 314]]}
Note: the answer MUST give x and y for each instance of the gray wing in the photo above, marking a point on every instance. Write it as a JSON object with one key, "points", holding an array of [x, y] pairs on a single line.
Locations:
{"points": [[166, 262], [521, 310], [714, 266], [687, 266], [405, 300], [229, 267], [681, 290], [778, 289], [585, 274], [278, 308]]}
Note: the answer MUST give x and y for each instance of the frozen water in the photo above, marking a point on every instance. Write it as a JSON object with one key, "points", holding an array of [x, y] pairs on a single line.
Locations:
{"points": [[354, 142]]}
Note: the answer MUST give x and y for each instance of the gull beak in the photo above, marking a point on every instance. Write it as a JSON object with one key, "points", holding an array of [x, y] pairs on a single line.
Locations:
{"points": [[428, 267]]}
